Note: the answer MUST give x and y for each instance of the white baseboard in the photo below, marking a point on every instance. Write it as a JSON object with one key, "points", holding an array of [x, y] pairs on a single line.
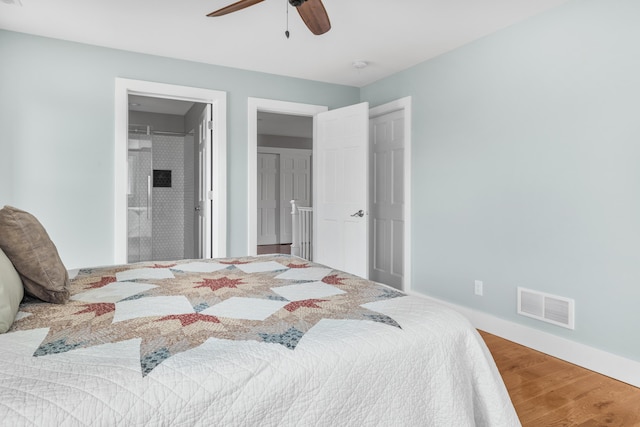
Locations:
{"points": [[611, 365]]}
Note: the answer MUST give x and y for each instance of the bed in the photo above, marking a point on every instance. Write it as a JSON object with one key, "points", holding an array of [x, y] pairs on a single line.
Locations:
{"points": [[255, 341]]}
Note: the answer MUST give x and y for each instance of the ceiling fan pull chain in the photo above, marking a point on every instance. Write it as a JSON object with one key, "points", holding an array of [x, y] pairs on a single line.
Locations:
{"points": [[286, 33]]}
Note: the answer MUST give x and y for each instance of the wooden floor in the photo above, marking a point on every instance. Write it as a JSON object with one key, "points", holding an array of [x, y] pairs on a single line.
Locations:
{"points": [[550, 392]]}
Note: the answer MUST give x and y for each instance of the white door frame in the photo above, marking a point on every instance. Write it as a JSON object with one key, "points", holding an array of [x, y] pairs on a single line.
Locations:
{"points": [[204, 184], [269, 106], [405, 105], [218, 101]]}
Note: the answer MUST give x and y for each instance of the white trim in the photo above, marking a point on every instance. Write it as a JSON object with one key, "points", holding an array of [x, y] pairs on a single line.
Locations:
{"points": [[219, 176], [605, 363], [270, 106], [402, 104], [218, 100]]}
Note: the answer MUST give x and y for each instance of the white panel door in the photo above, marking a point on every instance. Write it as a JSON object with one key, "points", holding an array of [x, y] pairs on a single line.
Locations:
{"points": [[268, 199], [387, 199], [203, 210], [341, 178], [295, 184]]}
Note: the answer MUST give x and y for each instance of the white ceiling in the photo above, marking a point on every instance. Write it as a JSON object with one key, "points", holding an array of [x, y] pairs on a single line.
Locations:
{"points": [[389, 35]]}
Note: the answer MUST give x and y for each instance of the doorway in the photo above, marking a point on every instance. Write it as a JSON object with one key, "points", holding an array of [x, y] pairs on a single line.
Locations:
{"points": [[211, 167], [264, 107], [285, 144], [402, 252], [164, 171]]}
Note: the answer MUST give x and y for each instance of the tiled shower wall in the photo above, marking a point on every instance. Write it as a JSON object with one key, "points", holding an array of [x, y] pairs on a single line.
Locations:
{"points": [[169, 202]]}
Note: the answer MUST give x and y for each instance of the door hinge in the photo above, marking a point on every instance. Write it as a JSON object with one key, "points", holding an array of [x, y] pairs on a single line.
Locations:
{"points": [[210, 124], [210, 195]]}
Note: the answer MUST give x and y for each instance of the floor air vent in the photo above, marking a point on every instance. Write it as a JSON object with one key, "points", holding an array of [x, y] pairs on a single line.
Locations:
{"points": [[546, 307]]}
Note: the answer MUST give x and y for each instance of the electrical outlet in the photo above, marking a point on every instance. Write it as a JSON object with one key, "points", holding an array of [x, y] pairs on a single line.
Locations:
{"points": [[478, 287]]}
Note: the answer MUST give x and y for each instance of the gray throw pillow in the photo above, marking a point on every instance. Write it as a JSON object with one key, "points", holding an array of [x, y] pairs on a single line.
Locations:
{"points": [[11, 293], [27, 244]]}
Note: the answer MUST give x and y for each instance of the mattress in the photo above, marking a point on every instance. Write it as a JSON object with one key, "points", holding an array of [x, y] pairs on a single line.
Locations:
{"points": [[255, 341]]}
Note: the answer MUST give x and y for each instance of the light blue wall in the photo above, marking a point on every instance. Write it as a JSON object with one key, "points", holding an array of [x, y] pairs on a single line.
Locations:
{"points": [[57, 132], [526, 169], [526, 149]]}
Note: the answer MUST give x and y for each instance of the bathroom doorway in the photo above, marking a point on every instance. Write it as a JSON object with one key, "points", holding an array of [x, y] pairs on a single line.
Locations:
{"points": [[163, 165], [170, 172]]}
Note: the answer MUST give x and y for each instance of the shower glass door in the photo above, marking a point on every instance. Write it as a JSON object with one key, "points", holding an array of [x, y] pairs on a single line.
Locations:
{"points": [[139, 215]]}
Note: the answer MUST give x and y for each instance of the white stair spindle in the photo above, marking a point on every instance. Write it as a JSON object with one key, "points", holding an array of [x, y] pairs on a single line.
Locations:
{"points": [[295, 229]]}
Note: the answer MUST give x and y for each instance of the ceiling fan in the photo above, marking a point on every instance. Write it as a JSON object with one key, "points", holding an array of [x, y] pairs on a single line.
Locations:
{"points": [[312, 13]]}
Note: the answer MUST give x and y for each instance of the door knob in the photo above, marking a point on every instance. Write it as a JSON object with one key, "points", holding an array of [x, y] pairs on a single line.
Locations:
{"points": [[359, 214]]}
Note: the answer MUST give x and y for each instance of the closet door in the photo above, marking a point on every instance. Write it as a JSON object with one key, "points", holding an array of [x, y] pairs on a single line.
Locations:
{"points": [[295, 183], [268, 199]]}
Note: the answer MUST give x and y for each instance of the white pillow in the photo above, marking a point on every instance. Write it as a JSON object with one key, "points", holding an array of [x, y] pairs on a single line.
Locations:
{"points": [[11, 293]]}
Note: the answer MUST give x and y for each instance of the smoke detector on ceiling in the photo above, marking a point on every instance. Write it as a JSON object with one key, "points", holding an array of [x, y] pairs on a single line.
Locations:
{"points": [[359, 65]]}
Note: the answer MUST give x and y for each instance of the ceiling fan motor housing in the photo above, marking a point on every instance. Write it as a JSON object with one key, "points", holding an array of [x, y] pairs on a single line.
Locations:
{"points": [[296, 3]]}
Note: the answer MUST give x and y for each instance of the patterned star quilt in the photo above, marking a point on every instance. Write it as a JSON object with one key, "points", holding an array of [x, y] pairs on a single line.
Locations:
{"points": [[270, 340]]}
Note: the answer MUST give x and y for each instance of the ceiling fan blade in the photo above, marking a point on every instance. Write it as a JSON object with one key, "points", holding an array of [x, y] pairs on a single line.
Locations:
{"points": [[314, 16], [239, 5]]}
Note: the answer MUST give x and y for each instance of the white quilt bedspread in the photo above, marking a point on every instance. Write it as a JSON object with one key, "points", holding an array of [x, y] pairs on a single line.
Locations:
{"points": [[433, 371]]}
